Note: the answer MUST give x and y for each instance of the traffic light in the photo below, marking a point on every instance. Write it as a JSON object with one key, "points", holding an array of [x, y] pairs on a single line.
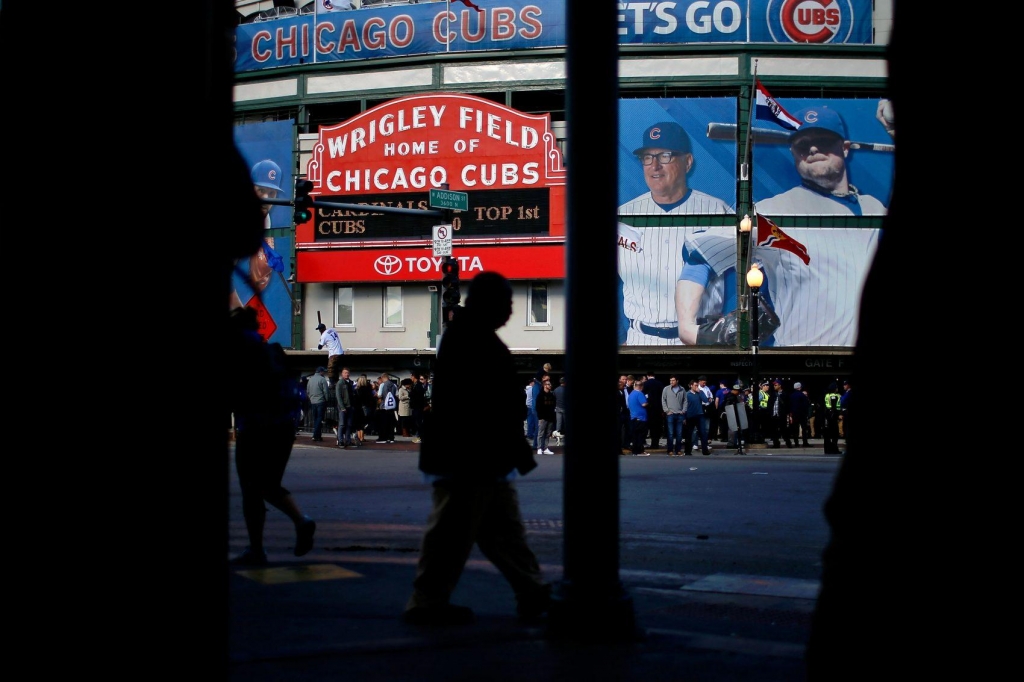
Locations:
{"points": [[303, 203], [450, 296]]}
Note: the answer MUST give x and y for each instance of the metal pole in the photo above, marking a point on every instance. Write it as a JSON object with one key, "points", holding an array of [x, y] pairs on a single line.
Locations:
{"points": [[755, 389], [590, 603]]}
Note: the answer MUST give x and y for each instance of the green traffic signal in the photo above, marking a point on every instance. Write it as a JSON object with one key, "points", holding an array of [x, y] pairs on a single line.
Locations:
{"points": [[303, 203]]}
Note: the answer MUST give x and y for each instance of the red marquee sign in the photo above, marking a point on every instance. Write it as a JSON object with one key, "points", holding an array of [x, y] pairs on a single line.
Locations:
{"points": [[506, 161]]}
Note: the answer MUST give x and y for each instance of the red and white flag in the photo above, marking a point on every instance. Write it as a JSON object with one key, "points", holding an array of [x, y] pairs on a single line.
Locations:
{"points": [[775, 238], [468, 3], [770, 110]]}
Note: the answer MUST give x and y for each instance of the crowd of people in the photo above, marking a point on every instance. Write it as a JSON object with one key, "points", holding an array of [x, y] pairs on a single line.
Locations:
{"points": [[692, 415], [355, 409], [683, 416]]}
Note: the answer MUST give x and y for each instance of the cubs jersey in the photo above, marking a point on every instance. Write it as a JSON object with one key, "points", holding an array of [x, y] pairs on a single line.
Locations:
{"points": [[696, 203], [802, 200], [649, 262], [814, 285]]}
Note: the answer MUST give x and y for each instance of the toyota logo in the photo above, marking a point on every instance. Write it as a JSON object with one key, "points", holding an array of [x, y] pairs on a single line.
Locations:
{"points": [[388, 265]]}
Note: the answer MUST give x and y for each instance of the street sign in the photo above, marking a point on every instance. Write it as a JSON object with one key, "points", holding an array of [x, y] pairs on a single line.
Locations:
{"points": [[443, 198], [442, 240]]}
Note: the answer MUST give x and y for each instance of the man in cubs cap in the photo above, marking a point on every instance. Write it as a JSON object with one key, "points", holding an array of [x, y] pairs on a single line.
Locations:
{"points": [[821, 150], [266, 180], [261, 266], [267, 174], [817, 119], [665, 156], [667, 135]]}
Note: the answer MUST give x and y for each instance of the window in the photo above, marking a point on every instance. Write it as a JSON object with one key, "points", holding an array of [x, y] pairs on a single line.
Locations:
{"points": [[538, 305], [393, 316], [344, 316]]}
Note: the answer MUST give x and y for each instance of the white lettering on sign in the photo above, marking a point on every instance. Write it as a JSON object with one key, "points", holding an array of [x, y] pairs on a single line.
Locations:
{"points": [[388, 124], [488, 174], [490, 125], [410, 149], [361, 180], [724, 17], [424, 264]]}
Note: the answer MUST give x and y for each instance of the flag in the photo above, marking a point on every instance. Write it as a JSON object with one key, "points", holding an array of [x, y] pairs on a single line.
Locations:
{"points": [[777, 239], [333, 5], [274, 259], [468, 3], [770, 110]]}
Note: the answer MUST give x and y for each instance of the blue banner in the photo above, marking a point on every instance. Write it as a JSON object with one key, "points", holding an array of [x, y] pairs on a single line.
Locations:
{"points": [[436, 28], [260, 281], [713, 169], [854, 178]]}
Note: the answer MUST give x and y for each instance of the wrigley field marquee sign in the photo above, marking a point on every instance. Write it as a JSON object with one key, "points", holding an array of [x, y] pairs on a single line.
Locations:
{"points": [[506, 162]]}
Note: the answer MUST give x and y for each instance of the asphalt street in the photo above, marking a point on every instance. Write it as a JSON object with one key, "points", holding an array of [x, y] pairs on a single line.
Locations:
{"points": [[719, 567]]}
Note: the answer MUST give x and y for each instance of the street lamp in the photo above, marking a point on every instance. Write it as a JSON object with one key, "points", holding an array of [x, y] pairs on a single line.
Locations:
{"points": [[744, 228], [755, 278]]}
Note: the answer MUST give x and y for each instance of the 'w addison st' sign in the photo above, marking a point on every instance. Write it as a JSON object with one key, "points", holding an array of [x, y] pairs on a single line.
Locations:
{"points": [[506, 161]]}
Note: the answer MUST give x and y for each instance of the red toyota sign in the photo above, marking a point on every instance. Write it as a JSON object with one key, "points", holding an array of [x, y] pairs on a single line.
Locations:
{"points": [[542, 261]]}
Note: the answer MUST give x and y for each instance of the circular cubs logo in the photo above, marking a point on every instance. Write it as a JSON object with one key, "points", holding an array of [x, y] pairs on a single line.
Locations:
{"points": [[810, 21], [388, 265]]}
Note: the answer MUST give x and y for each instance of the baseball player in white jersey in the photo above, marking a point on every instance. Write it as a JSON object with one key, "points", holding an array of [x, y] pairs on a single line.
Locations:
{"points": [[820, 150], [650, 257], [813, 279]]}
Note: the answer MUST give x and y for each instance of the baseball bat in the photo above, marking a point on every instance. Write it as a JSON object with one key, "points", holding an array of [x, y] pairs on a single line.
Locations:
{"points": [[727, 131], [318, 320]]}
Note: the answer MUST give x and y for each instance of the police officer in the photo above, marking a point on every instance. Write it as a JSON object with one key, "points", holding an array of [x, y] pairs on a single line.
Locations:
{"points": [[831, 430], [762, 416]]}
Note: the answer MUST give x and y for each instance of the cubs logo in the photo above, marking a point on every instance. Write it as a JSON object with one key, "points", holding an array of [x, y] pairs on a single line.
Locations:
{"points": [[388, 265], [810, 21]]}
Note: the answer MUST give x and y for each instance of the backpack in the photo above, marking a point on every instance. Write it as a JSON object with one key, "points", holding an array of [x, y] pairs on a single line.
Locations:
{"points": [[389, 401]]}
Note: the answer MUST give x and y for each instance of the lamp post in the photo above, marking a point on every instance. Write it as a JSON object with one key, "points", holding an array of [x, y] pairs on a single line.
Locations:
{"points": [[755, 278], [745, 223], [744, 248]]}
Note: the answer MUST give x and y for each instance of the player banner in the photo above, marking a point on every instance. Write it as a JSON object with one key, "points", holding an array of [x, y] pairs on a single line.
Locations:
{"points": [[839, 161], [260, 281], [813, 280], [711, 171], [668, 166]]}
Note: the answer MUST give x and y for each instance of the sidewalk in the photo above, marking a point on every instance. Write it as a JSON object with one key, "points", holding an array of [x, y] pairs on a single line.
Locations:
{"points": [[301, 621], [817, 446]]}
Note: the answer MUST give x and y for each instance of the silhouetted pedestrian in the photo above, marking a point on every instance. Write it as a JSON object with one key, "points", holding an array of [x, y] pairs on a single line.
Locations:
{"points": [[265, 401], [474, 498]]}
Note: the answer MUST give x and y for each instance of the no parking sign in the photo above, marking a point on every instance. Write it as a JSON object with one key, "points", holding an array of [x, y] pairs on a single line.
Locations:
{"points": [[442, 240]]}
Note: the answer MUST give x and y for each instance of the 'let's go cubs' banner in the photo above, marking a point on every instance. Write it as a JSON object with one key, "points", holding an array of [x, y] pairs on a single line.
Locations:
{"points": [[439, 27]]}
